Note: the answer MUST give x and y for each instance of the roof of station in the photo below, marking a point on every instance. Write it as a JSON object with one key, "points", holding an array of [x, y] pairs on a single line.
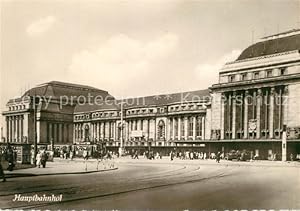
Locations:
{"points": [[147, 101], [57, 90], [277, 43]]}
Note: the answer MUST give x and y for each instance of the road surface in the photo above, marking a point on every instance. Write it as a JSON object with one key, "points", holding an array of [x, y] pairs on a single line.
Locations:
{"points": [[154, 185]]}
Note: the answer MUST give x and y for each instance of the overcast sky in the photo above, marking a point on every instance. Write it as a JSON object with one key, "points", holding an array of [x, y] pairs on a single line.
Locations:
{"points": [[130, 48]]}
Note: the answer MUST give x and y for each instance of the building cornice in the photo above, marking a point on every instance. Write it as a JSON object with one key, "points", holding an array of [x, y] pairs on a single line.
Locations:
{"points": [[255, 83], [263, 61]]}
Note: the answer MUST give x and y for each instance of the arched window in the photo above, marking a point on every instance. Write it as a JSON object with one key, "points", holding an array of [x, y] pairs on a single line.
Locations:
{"points": [[161, 129], [86, 132], [199, 126], [190, 126]]}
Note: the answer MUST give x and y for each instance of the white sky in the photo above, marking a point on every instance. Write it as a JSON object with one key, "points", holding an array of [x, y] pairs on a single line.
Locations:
{"points": [[130, 48]]}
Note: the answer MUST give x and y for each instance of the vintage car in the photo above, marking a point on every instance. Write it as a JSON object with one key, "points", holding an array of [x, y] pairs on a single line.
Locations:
{"points": [[232, 155]]}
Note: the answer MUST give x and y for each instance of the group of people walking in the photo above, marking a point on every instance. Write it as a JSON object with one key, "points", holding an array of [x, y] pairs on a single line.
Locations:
{"points": [[7, 153], [41, 158]]}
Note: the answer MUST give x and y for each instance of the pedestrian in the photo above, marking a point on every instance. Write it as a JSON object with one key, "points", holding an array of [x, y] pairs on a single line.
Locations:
{"points": [[292, 157], [218, 157], [136, 156], [85, 154], [71, 155], [44, 158], [1, 169], [172, 155], [10, 158], [38, 159]]}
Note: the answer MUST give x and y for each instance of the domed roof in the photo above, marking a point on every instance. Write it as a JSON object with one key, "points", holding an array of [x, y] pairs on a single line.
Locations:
{"points": [[279, 43]]}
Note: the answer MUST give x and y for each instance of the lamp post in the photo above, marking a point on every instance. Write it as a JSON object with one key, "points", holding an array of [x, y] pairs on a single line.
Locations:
{"points": [[121, 135], [283, 144], [35, 133]]}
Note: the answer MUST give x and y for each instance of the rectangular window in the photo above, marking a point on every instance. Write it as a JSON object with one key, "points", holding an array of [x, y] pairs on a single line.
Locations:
{"points": [[269, 73], [231, 78], [283, 71], [244, 76], [256, 75]]}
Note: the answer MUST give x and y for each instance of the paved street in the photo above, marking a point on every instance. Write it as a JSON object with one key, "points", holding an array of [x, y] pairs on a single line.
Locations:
{"points": [[161, 184]]}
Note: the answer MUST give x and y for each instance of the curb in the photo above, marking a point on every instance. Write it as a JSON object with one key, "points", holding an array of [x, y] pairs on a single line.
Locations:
{"points": [[245, 164], [14, 175]]}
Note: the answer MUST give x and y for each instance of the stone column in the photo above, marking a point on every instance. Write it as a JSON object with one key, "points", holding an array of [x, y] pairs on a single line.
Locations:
{"points": [[17, 129], [22, 127], [7, 129], [280, 109], [233, 115], [194, 128], [75, 132], [203, 128], [148, 129], [13, 128], [222, 116], [246, 114], [168, 130], [25, 126], [99, 130], [271, 114], [50, 133], [285, 105], [116, 130], [186, 128], [173, 130], [92, 131], [54, 133], [179, 128], [258, 107], [104, 126], [60, 133], [155, 130], [10, 129]]}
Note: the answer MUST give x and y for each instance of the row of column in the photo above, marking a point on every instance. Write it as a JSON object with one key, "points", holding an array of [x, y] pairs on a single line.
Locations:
{"points": [[98, 131], [143, 125], [17, 128], [185, 128], [181, 127], [58, 133], [267, 114]]}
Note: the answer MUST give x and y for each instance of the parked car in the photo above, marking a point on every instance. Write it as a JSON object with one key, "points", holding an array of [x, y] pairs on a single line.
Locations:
{"points": [[245, 155], [232, 155]]}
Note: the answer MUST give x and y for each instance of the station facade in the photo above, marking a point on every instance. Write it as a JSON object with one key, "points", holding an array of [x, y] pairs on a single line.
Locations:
{"points": [[256, 100]]}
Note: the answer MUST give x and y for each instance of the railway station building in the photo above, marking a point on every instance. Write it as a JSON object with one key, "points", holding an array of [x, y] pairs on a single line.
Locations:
{"points": [[256, 99]]}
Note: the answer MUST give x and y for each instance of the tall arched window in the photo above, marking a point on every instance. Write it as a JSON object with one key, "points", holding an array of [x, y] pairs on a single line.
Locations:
{"points": [[176, 126], [161, 129], [190, 126], [199, 126]]}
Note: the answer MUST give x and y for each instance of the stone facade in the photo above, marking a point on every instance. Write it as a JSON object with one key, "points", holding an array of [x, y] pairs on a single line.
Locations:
{"points": [[257, 96]]}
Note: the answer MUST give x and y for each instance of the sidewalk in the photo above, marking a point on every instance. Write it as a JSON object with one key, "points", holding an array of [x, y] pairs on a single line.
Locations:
{"points": [[59, 167]]}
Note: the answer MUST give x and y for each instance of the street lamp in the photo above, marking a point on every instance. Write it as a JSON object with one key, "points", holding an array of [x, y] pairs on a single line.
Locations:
{"points": [[121, 127]]}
